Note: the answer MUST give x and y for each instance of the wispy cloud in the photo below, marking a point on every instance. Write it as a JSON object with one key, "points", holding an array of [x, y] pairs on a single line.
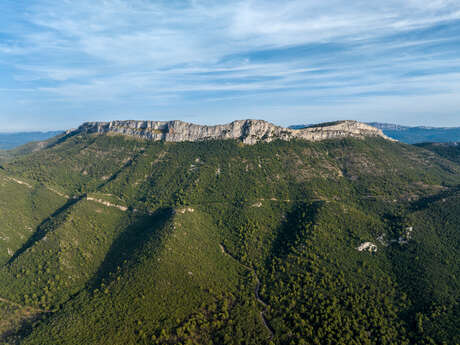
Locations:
{"points": [[138, 54]]}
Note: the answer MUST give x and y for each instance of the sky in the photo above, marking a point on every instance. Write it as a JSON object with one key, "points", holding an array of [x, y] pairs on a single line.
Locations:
{"points": [[65, 62]]}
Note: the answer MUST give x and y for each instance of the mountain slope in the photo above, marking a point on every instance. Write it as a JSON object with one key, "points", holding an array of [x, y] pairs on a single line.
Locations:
{"points": [[23, 207], [449, 151], [216, 242]]}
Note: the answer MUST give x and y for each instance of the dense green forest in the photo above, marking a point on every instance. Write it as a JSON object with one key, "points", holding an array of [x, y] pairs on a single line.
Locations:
{"points": [[114, 240], [450, 151]]}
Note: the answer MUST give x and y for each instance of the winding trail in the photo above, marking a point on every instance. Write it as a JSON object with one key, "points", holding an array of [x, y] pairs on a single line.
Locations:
{"points": [[12, 179], [256, 291]]}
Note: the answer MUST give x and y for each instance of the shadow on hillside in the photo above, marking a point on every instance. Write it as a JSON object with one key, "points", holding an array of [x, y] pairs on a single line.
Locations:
{"points": [[296, 220], [423, 203], [45, 226], [125, 166], [124, 249], [22, 327], [131, 242]]}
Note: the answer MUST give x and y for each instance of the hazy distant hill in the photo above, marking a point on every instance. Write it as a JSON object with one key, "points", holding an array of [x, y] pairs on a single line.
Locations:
{"points": [[9, 141], [413, 135]]}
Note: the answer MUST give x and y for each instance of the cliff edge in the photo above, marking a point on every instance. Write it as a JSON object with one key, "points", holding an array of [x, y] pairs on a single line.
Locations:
{"points": [[247, 131]]}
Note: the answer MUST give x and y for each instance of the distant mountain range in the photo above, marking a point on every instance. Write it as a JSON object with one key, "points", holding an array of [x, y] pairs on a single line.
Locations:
{"points": [[413, 135], [11, 140], [420, 134]]}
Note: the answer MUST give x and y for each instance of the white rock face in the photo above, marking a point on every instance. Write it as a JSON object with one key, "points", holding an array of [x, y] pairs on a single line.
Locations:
{"points": [[247, 131], [185, 210], [106, 203], [369, 246]]}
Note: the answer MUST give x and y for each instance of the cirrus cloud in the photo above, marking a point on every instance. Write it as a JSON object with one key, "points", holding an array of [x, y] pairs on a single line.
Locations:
{"points": [[168, 58]]}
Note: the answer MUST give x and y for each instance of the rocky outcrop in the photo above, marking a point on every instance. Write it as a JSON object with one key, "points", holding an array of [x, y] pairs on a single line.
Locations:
{"points": [[367, 246], [247, 131]]}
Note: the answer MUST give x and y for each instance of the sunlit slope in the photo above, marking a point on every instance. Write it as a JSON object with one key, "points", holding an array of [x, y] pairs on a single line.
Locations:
{"points": [[62, 255], [77, 163], [218, 242], [174, 284], [152, 173], [23, 207]]}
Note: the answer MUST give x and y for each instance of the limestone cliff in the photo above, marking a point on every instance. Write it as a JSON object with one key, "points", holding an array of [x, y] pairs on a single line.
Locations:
{"points": [[247, 131]]}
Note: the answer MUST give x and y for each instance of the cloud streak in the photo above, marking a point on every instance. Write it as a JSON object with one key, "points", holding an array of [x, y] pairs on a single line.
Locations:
{"points": [[137, 55]]}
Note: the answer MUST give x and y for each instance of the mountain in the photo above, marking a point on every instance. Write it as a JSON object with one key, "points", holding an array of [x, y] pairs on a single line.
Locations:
{"points": [[139, 232], [9, 141], [412, 135], [247, 131]]}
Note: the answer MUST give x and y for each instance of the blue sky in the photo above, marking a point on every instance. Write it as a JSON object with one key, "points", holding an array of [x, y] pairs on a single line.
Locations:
{"points": [[302, 61]]}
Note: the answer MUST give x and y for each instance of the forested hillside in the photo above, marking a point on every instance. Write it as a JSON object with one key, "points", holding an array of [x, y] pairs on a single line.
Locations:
{"points": [[106, 239], [449, 151]]}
